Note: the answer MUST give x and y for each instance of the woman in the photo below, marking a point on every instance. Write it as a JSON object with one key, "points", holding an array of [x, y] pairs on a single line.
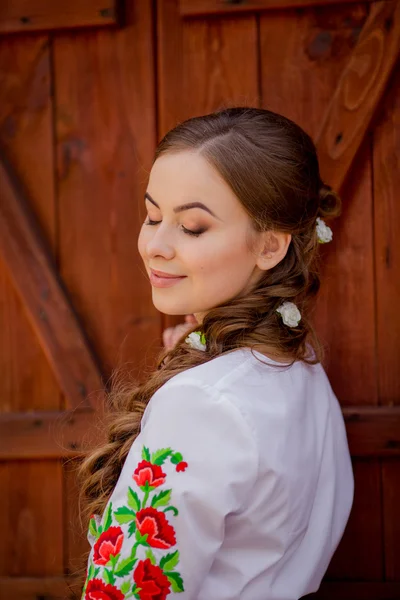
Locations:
{"points": [[227, 474]]}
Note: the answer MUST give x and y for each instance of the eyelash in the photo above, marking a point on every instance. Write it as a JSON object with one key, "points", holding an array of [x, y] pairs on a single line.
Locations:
{"points": [[188, 231]]}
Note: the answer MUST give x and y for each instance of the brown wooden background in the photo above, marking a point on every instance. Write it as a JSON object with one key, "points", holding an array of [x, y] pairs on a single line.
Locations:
{"points": [[86, 89]]}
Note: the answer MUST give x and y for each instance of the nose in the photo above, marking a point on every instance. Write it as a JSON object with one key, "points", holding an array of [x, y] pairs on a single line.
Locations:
{"points": [[160, 245]]}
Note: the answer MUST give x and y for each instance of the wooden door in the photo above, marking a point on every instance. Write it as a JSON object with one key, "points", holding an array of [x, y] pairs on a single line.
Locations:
{"points": [[80, 113]]}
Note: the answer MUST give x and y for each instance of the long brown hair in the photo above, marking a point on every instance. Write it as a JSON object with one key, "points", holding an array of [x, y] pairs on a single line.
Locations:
{"points": [[271, 165]]}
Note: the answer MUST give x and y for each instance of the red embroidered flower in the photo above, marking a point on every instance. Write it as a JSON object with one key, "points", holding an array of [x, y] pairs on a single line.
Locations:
{"points": [[109, 543], [148, 473], [151, 580], [97, 590], [154, 523], [181, 466]]}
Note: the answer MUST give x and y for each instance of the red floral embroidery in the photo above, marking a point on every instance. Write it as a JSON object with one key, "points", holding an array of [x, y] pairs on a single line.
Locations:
{"points": [[109, 543], [181, 466], [160, 533], [146, 472], [97, 590], [151, 581]]}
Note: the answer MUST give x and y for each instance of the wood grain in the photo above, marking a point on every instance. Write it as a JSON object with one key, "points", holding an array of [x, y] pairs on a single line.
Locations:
{"points": [[35, 277], [26, 378], [302, 56], [31, 15], [386, 161], [359, 554], [31, 515], [391, 503], [190, 8], [105, 136], [359, 92]]}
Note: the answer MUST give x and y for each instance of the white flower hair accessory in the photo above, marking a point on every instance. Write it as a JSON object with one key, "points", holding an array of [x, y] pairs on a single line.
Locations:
{"points": [[324, 232], [196, 340], [290, 314]]}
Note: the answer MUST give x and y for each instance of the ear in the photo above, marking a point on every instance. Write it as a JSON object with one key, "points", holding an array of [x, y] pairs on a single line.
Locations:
{"points": [[273, 247]]}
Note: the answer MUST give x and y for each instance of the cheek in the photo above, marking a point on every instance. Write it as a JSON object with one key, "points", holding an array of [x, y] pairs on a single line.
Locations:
{"points": [[142, 241]]}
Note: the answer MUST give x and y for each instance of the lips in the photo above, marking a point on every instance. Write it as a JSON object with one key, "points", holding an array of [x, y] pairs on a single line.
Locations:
{"points": [[164, 281], [165, 275]]}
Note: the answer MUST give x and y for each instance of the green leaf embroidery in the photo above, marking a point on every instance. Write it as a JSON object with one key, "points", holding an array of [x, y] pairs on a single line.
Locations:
{"points": [[158, 458], [170, 561], [142, 539], [92, 527], [161, 499], [176, 458], [124, 515], [90, 574], [125, 587], [132, 528], [172, 509], [125, 567], [108, 517], [96, 572], [108, 576], [146, 454], [176, 581], [133, 500], [150, 555], [100, 529]]}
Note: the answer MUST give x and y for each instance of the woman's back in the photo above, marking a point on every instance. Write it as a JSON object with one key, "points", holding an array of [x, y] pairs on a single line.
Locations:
{"points": [[259, 481]]}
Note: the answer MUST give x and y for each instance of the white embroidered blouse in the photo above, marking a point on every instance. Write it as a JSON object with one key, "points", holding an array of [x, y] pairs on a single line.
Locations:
{"points": [[239, 486]]}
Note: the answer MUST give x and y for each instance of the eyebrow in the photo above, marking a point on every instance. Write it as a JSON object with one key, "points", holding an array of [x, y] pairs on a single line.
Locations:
{"points": [[183, 207]]}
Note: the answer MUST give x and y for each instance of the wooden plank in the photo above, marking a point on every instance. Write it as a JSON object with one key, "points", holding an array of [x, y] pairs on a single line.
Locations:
{"points": [[105, 136], [17, 16], [35, 277], [347, 281], [359, 554], [391, 503], [31, 515], [35, 588], [60, 588], [26, 381], [77, 546], [357, 590], [45, 435], [304, 54], [359, 92], [386, 144], [192, 8], [371, 431]]}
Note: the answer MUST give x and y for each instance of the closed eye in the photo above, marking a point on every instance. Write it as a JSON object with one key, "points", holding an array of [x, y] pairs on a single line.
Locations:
{"points": [[187, 231]]}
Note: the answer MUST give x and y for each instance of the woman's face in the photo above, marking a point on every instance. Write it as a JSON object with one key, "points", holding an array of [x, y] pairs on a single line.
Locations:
{"points": [[215, 262]]}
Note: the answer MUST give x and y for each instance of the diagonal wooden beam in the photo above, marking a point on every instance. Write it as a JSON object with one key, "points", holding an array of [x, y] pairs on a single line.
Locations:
{"points": [[195, 8], [359, 92], [51, 314]]}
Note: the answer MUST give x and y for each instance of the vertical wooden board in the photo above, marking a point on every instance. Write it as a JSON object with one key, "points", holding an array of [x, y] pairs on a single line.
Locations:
{"points": [[76, 542], [359, 554], [345, 315], [391, 503], [31, 519], [26, 379], [386, 162], [303, 53], [204, 65], [105, 129]]}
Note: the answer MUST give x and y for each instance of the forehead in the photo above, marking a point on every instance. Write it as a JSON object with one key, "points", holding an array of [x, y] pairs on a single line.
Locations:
{"points": [[177, 177]]}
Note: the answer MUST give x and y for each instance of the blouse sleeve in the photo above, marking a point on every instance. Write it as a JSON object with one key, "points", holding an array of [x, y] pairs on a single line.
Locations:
{"points": [[194, 463]]}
